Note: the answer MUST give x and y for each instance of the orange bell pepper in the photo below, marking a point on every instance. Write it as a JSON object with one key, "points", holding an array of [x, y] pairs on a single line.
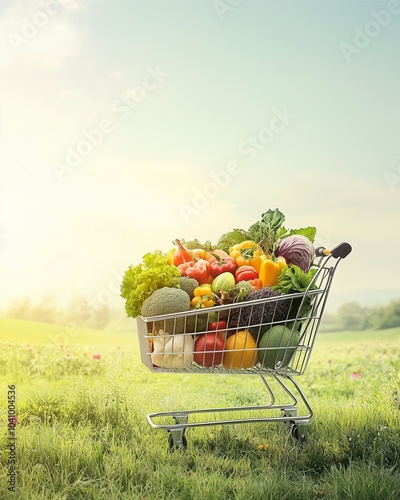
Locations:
{"points": [[210, 255], [181, 255], [256, 283]]}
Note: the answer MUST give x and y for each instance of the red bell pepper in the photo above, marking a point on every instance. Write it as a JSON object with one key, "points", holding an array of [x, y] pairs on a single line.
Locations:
{"points": [[246, 273], [219, 265], [198, 270], [217, 325]]}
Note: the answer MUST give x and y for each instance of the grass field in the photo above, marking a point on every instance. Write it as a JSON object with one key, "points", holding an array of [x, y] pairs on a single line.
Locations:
{"points": [[82, 397]]}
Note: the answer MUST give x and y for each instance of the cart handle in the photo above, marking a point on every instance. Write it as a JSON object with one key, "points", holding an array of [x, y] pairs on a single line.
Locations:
{"points": [[340, 251]]}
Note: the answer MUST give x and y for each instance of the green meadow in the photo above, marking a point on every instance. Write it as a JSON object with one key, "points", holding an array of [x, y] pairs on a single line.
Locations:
{"points": [[82, 397]]}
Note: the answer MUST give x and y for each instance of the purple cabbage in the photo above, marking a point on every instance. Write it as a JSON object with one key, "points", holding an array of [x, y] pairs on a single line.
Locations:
{"points": [[298, 250]]}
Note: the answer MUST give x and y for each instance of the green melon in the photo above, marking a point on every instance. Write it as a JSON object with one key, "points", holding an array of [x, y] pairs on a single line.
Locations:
{"points": [[276, 337]]}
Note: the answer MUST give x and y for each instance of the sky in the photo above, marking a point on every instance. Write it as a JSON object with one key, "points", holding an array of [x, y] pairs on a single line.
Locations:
{"points": [[127, 124]]}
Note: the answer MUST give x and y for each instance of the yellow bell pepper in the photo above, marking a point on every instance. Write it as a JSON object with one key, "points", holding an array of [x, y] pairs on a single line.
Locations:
{"points": [[201, 290], [202, 301], [270, 270], [247, 253], [170, 256], [197, 253]]}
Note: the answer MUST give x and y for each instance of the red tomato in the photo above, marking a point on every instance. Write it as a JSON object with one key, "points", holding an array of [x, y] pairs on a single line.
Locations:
{"points": [[246, 273], [205, 348], [217, 325]]}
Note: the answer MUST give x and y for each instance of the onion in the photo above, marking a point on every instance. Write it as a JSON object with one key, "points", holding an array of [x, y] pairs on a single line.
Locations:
{"points": [[298, 250]]}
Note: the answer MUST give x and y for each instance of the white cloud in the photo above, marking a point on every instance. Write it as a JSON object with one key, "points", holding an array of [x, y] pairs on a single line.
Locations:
{"points": [[52, 48], [40, 34]]}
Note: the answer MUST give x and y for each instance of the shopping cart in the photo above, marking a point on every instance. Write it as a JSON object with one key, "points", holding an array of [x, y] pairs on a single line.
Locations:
{"points": [[273, 339]]}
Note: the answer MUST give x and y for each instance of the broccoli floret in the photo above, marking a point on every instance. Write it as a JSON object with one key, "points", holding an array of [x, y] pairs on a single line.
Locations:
{"points": [[188, 284], [167, 300], [241, 291], [235, 236]]}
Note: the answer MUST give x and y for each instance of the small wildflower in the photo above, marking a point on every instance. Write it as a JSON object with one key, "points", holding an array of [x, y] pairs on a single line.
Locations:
{"points": [[355, 375], [266, 446], [329, 360], [68, 355], [97, 356]]}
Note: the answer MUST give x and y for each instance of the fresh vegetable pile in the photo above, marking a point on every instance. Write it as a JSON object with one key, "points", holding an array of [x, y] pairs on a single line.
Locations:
{"points": [[265, 261]]}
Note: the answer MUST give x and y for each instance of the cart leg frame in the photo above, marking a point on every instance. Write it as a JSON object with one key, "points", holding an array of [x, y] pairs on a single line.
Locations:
{"points": [[297, 424]]}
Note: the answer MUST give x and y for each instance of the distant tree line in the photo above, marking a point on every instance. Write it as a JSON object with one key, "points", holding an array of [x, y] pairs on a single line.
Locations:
{"points": [[77, 312], [352, 316]]}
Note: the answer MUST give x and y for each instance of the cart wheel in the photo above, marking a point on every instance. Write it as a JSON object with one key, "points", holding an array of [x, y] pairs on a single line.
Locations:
{"points": [[178, 444], [296, 434]]}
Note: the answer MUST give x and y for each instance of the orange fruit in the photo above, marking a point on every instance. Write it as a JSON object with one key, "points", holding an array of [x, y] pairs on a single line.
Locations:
{"points": [[240, 351]]}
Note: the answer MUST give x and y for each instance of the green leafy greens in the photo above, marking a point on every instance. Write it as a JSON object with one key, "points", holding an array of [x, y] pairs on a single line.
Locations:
{"points": [[267, 232], [309, 232], [293, 280], [194, 244], [141, 281]]}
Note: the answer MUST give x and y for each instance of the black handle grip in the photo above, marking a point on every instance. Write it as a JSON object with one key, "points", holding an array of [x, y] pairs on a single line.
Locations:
{"points": [[342, 250]]}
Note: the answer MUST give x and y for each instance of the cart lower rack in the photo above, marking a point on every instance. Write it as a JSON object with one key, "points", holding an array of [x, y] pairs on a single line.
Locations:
{"points": [[271, 337]]}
